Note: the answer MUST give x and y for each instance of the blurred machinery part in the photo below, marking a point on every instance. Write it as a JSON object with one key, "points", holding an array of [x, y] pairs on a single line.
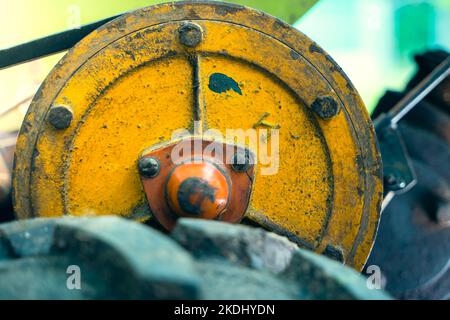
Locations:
{"points": [[95, 137], [7, 148], [115, 258], [413, 242], [10, 125]]}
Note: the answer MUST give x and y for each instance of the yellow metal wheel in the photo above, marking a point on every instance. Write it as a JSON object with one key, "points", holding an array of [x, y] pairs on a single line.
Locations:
{"points": [[133, 82]]}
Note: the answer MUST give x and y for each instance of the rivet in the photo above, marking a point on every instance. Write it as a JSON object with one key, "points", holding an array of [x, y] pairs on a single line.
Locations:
{"points": [[190, 35], [60, 117], [326, 107], [149, 167]]}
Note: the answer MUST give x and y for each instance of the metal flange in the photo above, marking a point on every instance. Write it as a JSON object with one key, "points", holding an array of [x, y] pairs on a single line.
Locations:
{"points": [[134, 81]]}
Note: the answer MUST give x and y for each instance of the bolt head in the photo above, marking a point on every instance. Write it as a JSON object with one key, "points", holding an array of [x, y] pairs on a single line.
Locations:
{"points": [[60, 117], [241, 161], [326, 107], [149, 167], [190, 35]]}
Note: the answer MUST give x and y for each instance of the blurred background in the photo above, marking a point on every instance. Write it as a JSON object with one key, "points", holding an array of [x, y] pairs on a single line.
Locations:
{"points": [[372, 40]]}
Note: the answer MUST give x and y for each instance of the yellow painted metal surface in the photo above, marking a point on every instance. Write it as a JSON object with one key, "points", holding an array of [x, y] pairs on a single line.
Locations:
{"points": [[302, 176], [130, 86]]}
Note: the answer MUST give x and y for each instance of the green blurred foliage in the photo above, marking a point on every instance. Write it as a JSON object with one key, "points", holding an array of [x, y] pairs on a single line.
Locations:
{"points": [[414, 37], [374, 41], [288, 10]]}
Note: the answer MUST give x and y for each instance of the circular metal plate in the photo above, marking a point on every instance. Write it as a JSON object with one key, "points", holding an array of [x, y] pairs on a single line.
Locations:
{"points": [[135, 81]]}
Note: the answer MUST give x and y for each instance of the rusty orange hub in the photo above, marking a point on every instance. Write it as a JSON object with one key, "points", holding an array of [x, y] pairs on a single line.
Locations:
{"points": [[207, 180], [198, 189]]}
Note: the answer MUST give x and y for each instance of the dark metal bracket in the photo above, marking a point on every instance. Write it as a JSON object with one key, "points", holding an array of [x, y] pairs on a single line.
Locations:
{"points": [[398, 173]]}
